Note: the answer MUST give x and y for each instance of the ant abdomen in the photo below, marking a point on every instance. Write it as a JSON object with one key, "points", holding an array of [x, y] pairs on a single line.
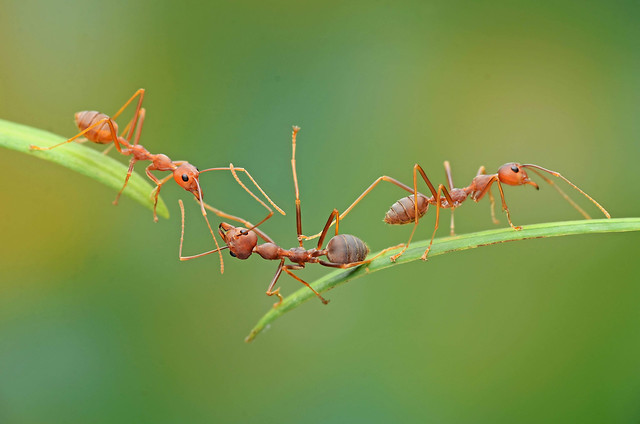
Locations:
{"points": [[404, 212], [101, 133], [346, 249]]}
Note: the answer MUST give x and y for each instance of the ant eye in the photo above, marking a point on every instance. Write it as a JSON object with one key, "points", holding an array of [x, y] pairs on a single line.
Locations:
{"points": [[244, 232], [185, 177], [515, 168], [232, 254]]}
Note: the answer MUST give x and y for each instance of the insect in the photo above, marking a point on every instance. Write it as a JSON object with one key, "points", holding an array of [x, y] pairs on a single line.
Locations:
{"points": [[102, 129], [411, 208], [342, 251]]}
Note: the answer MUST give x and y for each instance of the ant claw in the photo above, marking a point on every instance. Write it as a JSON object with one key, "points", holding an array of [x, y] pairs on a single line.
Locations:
{"points": [[277, 293]]}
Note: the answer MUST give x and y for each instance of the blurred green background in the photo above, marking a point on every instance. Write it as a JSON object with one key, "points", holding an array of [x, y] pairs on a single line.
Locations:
{"points": [[100, 322]]}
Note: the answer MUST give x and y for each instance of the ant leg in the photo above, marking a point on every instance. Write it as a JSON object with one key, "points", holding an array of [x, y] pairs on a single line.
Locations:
{"points": [[116, 140], [505, 208], [270, 291], [186, 258], [204, 214], [270, 214], [286, 269], [110, 146], [349, 265], [323, 233], [336, 215], [126, 128], [441, 189], [143, 113], [215, 240], [388, 249], [492, 200], [447, 171], [295, 184], [417, 168], [156, 191], [452, 231], [367, 191], [133, 159], [81, 133], [126, 179], [139, 93], [234, 171]]}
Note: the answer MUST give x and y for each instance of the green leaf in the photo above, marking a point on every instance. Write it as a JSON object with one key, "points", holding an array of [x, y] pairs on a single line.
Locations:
{"points": [[445, 245], [79, 158]]}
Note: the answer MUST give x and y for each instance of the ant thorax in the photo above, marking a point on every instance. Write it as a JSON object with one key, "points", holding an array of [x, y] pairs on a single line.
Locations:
{"points": [[140, 153], [477, 187]]}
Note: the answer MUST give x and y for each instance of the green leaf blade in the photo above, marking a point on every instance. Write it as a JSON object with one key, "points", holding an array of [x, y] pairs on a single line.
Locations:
{"points": [[441, 246], [81, 159]]}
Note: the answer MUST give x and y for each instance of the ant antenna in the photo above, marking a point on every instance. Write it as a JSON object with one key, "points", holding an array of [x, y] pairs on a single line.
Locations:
{"points": [[557, 174], [218, 249]]}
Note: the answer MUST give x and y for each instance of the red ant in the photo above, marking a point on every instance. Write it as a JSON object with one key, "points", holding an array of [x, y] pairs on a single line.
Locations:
{"points": [[100, 128], [342, 251], [407, 210]]}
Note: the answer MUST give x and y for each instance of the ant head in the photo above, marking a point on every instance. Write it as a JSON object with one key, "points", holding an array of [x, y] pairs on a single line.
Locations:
{"points": [[186, 175], [514, 174], [239, 240]]}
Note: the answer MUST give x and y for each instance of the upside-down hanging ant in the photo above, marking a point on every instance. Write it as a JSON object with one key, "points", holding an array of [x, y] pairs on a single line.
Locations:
{"points": [[407, 210], [100, 128], [342, 251]]}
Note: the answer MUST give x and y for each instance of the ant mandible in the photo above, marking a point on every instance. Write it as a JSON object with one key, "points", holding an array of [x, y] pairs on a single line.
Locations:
{"points": [[342, 251], [102, 129], [408, 210]]}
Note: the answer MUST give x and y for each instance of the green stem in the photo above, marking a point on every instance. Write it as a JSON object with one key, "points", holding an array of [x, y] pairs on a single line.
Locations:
{"points": [[79, 158], [445, 245]]}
